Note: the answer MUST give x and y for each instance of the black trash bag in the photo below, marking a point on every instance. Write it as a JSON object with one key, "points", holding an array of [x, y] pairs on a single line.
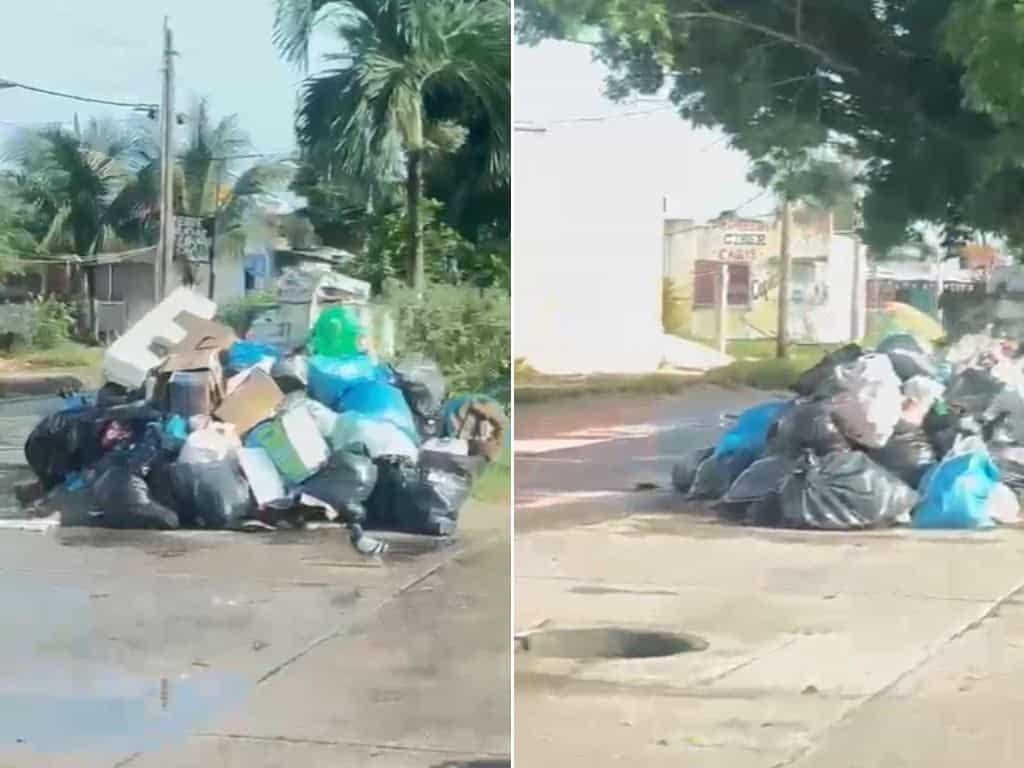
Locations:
{"points": [[684, 472], [711, 480], [761, 479], [63, 443], [213, 494], [908, 357], [412, 500], [345, 483], [766, 512], [809, 425], [111, 394], [123, 501], [469, 467], [908, 454], [943, 429], [291, 374], [998, 431], [844, 491], [973, 390], [821, 380], [423, 386]]}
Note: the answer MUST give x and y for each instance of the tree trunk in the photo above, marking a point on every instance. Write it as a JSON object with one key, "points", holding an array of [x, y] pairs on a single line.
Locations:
{"points": [[785, 269], [413, 193]]}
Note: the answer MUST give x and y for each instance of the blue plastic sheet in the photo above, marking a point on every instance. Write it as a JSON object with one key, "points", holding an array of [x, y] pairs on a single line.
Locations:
{"points": [[954, 494], [380, 401], [331, 377], [744, 444], [245, 354]]}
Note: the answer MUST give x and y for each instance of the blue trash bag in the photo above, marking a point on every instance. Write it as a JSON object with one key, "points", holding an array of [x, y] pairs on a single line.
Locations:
{"points": [[331, 377], [955, 492], [380, 401], [744, 444], [246, 354]]}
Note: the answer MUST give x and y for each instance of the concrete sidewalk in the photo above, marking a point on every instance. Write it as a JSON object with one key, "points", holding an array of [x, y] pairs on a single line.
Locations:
{"points": [[873, 650]]}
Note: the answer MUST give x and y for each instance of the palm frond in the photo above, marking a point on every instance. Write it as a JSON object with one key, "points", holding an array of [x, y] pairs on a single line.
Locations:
{"points": [[294, 22]]}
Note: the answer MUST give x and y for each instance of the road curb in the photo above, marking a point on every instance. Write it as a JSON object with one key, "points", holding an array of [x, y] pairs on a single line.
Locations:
{"points": [[13, 387]]}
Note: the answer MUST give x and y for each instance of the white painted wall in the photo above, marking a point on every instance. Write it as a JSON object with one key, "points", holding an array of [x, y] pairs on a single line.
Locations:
{"points": [[588, 257]]}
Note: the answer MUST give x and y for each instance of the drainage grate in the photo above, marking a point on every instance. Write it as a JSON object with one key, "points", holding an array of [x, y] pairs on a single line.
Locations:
{"points": [[607, 643]]}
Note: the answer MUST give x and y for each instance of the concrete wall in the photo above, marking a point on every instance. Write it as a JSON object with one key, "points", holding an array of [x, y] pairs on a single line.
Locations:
{"points": [[589, 258], [822, 291]]}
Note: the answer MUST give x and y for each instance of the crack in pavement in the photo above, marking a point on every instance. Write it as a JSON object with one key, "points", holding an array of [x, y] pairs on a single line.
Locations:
{"points": [[390, 746], [397, 593], [991, 611]]}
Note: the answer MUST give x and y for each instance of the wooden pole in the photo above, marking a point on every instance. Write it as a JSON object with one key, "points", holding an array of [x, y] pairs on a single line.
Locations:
{"points": [[785, 269], [722, 301]]}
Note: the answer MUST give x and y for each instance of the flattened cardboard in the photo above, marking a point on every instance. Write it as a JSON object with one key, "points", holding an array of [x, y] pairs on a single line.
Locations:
{"points": [[200, 349], [254, 400]]}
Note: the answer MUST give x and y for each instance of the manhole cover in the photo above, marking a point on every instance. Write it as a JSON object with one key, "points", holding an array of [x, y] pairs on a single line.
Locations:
{"points": [[607, 643]]}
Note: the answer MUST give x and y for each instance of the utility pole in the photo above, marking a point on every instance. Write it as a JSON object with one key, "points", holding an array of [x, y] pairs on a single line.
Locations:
{"points": [[785, 269], [165, 249], [856, 299], [213, 237], [722, 300]]}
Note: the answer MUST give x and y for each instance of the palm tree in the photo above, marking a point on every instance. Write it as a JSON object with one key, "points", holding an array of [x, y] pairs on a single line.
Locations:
{"points": [[208, 183], [71, 179], [16, 238], [368, 107]]}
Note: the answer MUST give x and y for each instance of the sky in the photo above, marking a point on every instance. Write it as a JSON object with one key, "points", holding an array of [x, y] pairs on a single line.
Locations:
{"points": [[111, 49], [701, 176]]}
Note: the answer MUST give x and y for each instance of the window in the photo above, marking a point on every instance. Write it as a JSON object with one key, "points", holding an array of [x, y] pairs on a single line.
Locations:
{"points": [[705, 283]]}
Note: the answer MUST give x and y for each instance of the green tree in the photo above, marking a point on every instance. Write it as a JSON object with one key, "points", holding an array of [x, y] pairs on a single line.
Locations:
{"points": [[367, 110], [70, 179], [873, 81], [208, 181], [16, 240]]}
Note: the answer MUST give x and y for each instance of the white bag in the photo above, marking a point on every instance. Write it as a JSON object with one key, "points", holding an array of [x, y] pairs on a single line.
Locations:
{"points": [[870, 404], [215, 442], [1003, 506], [919, 395]]}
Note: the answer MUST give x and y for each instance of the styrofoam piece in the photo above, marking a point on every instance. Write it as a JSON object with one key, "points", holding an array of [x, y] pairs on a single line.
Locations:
{"points": [[130, 359], [264, 479]]}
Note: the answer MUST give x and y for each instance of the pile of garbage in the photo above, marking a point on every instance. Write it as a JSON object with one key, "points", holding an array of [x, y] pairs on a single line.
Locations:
{"points": [[195, 427], [900, 435]]}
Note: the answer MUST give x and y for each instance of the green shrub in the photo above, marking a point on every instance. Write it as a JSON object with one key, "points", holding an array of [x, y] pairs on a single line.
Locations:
{"points": [[52, 323], [240, 314], [466, 330]]}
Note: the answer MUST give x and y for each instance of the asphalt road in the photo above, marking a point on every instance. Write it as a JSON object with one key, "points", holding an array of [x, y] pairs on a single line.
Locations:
{"points": [[260, 650], [813, 650]]}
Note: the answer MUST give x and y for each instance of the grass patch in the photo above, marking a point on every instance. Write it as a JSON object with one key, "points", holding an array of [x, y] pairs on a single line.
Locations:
{"points": [[67, 354], [537, 389], [757, 367], [495, 485]]}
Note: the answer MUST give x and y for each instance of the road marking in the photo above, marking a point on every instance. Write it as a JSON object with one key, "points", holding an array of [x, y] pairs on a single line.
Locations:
{"points": [[548, 500], [584, 438]]}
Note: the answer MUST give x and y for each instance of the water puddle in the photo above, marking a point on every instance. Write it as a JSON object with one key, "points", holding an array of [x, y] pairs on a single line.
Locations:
{"points": [[110, 713], [62, 688]]}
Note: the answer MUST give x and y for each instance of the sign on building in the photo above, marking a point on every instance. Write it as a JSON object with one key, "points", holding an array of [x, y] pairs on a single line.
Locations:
{"points": [[191, 240]]}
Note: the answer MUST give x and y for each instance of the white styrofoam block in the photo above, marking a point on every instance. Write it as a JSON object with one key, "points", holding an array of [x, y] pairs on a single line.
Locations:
{"points": [[129, 359]]}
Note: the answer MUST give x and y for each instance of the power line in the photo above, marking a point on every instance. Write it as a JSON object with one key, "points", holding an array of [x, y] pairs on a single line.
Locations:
{"points": [[612, 116], [5, 83]]}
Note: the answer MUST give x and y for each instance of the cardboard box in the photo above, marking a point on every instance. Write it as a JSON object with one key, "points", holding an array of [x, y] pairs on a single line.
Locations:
{"points": [[254, 400]]}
